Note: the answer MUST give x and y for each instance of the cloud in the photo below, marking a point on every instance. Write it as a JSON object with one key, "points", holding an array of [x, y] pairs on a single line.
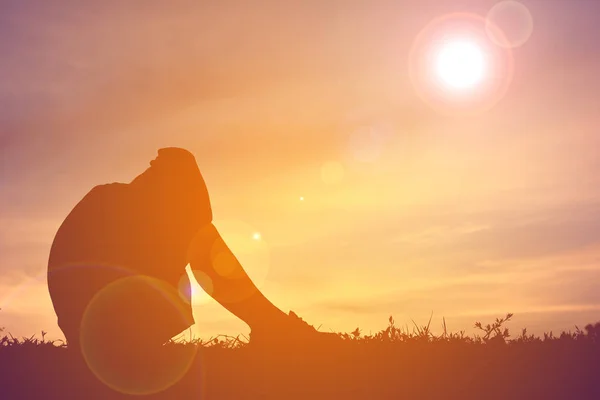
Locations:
{"points": [[25, 245], [514, 234], [463, 212]]}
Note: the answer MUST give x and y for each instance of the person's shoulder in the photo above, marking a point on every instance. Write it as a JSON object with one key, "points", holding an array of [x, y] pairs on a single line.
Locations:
{"points": [[110, 187], [100, 197], [108, 190]]}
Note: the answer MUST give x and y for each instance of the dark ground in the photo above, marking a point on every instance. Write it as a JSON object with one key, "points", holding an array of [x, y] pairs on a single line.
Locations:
{"points": [[388, 365]]}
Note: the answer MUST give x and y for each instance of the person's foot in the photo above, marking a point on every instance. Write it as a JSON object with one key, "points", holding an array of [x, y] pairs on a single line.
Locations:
{"points": [[293, 332]]}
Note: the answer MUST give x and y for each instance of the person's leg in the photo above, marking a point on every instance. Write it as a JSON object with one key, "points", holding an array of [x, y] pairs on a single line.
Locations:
{"points": [[228, 283], [123, 332]]}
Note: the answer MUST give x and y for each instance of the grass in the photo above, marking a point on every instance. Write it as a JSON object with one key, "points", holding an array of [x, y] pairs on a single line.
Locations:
{"points": [[394, 363]]}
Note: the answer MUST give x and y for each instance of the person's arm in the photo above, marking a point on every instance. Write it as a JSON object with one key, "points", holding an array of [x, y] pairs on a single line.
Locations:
{"points": [[221, 275]]}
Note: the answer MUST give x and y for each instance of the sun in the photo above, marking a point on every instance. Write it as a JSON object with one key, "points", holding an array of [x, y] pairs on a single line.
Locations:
{"points": [[460, 64]]}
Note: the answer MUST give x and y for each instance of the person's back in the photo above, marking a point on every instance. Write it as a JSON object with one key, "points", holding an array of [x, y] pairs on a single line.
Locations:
{"points": [[119, 230]]}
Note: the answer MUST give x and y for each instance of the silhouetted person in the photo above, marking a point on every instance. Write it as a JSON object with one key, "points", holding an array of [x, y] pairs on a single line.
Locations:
{"points": [[121, 232]]}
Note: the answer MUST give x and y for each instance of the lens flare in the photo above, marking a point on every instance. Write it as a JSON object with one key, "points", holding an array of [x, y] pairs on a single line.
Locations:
{"points": [[185, 288], [225, 264], [194, 286], [238, 251], [453, 53], [511, 18], [460, 64], [123, 330]]}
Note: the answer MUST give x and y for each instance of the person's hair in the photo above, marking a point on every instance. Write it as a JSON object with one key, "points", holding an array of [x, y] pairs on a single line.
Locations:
{"points": [[175, 180]]}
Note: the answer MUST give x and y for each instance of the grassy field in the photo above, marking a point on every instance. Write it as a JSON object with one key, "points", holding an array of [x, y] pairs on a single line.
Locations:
{"points": [[391, 364]]}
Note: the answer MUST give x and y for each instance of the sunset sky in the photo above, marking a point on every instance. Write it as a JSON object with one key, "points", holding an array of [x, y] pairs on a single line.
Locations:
{"points": [[367, 201]]}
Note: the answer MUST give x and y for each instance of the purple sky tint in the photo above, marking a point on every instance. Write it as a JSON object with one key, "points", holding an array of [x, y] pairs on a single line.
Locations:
{"points": [[498, 213]]}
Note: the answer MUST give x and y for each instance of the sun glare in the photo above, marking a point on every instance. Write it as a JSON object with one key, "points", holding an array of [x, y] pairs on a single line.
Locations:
{"points": [[460, 64]]}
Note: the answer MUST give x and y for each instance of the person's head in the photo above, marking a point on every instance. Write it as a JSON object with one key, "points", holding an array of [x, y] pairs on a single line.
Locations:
{"points": [[175, 179]]}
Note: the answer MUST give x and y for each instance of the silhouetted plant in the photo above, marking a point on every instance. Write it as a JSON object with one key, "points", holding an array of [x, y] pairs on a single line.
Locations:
{"points": [[593, 332], [426, 362], [494, 331], [526, 338]]}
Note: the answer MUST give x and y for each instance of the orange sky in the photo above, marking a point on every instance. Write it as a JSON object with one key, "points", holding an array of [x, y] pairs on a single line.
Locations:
{"points": [[469, 217]]}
